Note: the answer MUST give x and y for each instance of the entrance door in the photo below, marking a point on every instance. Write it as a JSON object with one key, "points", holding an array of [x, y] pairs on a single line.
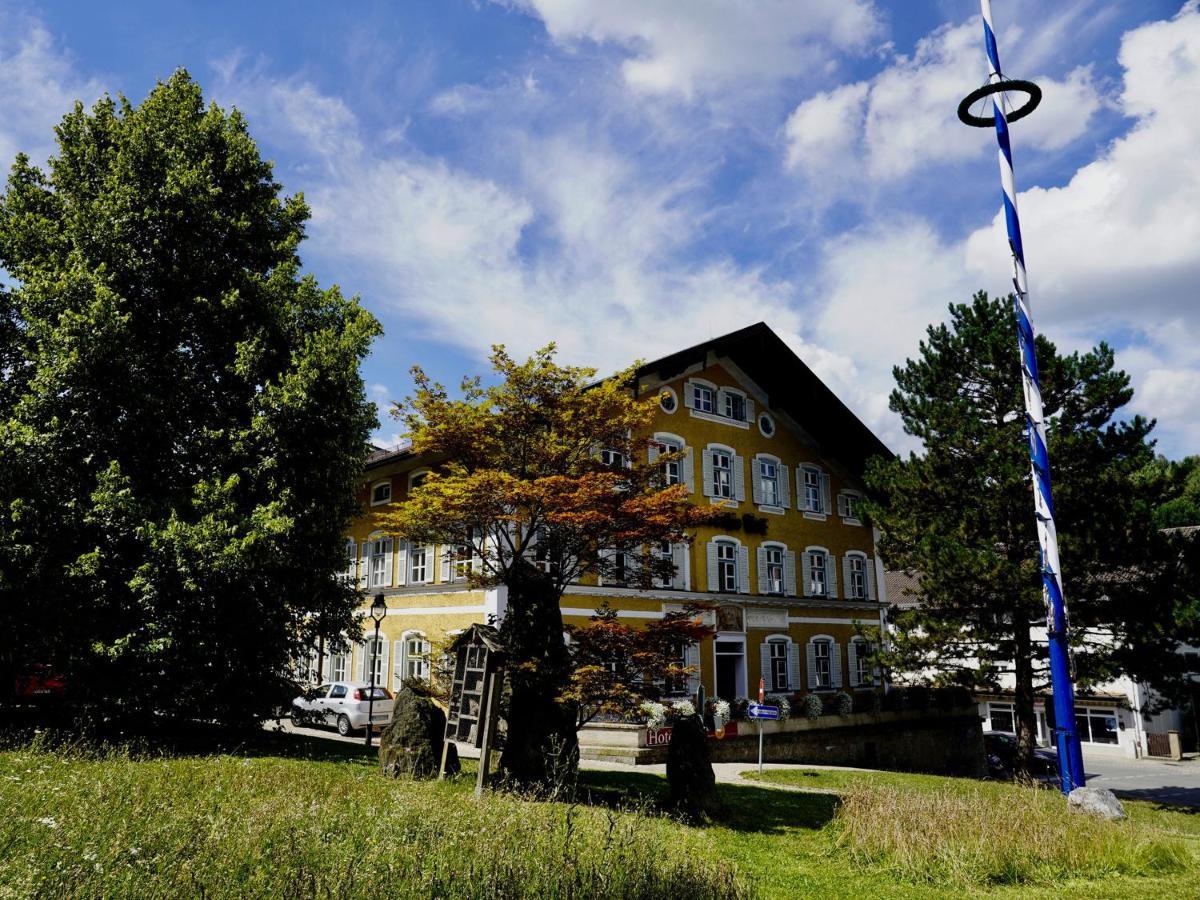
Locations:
{"points": [[731, 668]]}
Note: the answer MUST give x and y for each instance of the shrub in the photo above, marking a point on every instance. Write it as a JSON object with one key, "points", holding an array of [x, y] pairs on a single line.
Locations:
{"points": [[843, 703], [976, 836], [813, 706], [784, 704]]}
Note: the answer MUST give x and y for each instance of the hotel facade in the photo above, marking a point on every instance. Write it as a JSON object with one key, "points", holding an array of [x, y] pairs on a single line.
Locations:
{"points": [[786, 579]]}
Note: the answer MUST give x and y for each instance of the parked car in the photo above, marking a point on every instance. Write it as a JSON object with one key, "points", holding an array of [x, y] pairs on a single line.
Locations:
{"points": [[1001, 749], [343, 704]]}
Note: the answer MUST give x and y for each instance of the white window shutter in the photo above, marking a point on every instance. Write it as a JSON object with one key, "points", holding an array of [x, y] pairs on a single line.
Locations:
{"points": [[679, 556], [739, 477], [852, 661], [397, 665], [794, 667], [749, 410], [714, 582], [687, 465], [756, 491], [869, 569], [764, 658], [806, 571], [789, 572], [351, 552], [762, 570], [707, 487], [831, 576], [847, 581], [824, 493], [835, 664], [743, 570], [326, 666], [384, 646], [688, 400], [388, 579], [653, 452], [364, 566], [785, 495], [691, 656], [812, 666], [843, 505], [445, 556], [360, 670], [401, 563]]}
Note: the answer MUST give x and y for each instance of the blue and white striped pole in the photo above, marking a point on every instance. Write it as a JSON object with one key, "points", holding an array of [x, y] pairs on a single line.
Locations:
{"points": [[1070, 756]]}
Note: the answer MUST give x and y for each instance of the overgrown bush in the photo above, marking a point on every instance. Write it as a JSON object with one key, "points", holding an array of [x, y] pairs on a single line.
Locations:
{"points": [[976, 836], [842, 704], [812, 706]]}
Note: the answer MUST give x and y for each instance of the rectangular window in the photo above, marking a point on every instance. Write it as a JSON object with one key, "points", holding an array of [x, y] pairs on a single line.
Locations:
{"points": [[416, 657], [620, 568], [463, 555], [862, 663], [381, 493], [823, 663], [373, 659], [727, 567], [858, 577], [812, 490], [545, 558], [1096, 726], [352, 560], [419, 557], [816, 564], [613, 458], [774, 570], [779, 666], [678, 685], [664, 552], [673, 470], [1001, 718], [735, 407], [722, 471], [337, 666], [849, 503], [768, 473], [702, 398], [380, 551]]}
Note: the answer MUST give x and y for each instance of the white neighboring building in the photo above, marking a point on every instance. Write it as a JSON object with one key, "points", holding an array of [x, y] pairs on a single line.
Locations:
{"points": [[1110, 718]]}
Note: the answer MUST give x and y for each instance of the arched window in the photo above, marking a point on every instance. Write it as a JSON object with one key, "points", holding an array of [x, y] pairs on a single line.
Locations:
{"points": [[856, 576], [824, 664], [381, 492], [776, 569], [780, 664], [415, 652], [728, 566], [820, 573], [861, 673], [812, 490]]}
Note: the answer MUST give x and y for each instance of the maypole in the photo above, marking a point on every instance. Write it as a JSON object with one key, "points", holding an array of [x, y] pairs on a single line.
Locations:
{"points": [[1066, 736]]}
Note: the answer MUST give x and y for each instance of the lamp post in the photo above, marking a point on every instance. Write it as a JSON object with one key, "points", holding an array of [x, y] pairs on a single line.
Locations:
{"points": [[378, 611]]}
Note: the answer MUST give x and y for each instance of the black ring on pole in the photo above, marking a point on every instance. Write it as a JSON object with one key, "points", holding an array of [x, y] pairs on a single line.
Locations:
{"points": [[999, 87]]}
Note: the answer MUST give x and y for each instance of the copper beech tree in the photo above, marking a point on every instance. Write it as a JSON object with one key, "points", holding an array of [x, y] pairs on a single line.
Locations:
{"points": [[544, 479]]}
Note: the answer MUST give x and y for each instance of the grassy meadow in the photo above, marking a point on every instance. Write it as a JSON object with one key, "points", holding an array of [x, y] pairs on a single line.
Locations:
{"points": [[302, 818]]}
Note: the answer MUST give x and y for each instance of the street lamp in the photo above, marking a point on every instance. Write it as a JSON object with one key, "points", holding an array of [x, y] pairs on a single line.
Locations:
{"points": [[378, 611]]}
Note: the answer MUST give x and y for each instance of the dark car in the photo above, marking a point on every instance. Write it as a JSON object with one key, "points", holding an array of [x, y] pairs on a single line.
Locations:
{"points": [[1001, 749]]}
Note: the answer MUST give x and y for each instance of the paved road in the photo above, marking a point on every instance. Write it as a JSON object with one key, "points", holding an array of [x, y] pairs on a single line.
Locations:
{"points": [[1176, 783]]}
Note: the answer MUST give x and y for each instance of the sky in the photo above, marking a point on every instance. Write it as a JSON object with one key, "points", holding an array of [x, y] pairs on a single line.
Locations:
{"points": [[630, 177]]}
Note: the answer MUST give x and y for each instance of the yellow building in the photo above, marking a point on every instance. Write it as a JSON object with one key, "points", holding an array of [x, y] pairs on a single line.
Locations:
{"points": [[788, 577]]}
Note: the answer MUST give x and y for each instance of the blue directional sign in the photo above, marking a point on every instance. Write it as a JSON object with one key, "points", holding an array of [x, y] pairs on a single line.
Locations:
{"points": [[762, 711]]}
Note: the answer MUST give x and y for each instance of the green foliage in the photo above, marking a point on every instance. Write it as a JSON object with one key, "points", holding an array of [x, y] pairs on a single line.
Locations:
{"points": [[843, 703], [182, 420], [1174, 491], [812, 706], [960, 515]]}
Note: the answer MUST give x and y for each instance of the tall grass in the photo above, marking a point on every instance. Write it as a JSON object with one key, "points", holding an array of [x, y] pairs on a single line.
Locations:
{"points": [[254, 827], [983, 835]]}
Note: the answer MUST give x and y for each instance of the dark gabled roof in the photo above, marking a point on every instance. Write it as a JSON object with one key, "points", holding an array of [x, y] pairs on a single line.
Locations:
{"points": [[791, 386], [380, 456]]}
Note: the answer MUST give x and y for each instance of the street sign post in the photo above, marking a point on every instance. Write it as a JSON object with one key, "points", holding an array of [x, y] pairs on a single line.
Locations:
{"points": [[758, 712]]}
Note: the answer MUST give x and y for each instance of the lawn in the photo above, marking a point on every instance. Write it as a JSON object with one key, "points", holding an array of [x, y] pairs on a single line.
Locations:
{"points": [[303, 818]]}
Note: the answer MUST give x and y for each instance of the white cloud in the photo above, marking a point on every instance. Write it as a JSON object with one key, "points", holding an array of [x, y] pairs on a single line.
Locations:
{"points": [[904, 119], [695, 46], [38, 86]]}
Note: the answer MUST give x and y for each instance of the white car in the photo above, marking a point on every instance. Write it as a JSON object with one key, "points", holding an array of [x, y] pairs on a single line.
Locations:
{"points": [[344, 704]]}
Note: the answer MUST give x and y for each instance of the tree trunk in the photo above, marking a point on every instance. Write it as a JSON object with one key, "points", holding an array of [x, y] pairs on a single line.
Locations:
{"points": [[541, 749], [1023, 705]]}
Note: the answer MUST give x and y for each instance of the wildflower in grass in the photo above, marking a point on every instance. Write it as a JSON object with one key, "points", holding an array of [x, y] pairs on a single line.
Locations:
{"points": [[49, 821]]}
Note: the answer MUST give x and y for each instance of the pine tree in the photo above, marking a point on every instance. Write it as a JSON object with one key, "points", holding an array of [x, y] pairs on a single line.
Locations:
{"points": [[182, 420], [959, 515]]}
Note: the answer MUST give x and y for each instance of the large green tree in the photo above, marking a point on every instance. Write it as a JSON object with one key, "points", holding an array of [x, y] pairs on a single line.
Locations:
{"points": [[182, 419], [959, 514]]}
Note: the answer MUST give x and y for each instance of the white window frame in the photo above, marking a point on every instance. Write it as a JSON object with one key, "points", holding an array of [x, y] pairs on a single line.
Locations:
{"points": [[814, 554], [421, 552], [732, 560], [763, 461], [379, 564], [703, 390], [784, 645], [847, 500], [339, 666], [729, 394], [352, 560], [415, 474], [420, 661], [851, 586], [863, 675], [781, 550], [806, 470], [826, 683], [613, 458], [729, 483], [387, 482]]}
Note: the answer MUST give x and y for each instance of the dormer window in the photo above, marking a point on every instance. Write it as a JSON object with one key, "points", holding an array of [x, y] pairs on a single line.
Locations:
{"points": [[735, 407], [381, 493]]}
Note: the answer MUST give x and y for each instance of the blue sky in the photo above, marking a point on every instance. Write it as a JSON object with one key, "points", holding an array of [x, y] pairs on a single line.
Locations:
{"points": [[628, 177]]}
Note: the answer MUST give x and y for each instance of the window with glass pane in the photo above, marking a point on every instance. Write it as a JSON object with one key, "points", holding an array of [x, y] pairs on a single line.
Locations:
{"points": [[851, 503], [769, 478], [416, 657], [419, 564], [812, 490], [779, 665], [620, 568], [664, 552], [338, 663], [374, 659], [702, 398], [614, 458], [822, 652], [722, 470], [381, 493], [735, 407], [1096, 726], [379, 560], [1001, 718], [462, 561], [858, 578], [672, 470], [862, 663], [816, 565], [352, 559], [677, 685], [727, 568], [774, 560]]}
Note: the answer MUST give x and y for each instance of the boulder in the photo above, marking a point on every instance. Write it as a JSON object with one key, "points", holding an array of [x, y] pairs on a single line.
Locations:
{"points": [[693, 784], [411, 743], [1097, 801]]}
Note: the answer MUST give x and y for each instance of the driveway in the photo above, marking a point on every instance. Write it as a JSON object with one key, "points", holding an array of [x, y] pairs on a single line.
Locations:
{"points": [[1163, 780]]}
